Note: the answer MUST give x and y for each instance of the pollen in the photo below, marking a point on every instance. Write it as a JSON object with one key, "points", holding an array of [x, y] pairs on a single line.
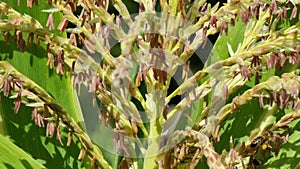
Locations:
{"points": [[264, 146]]}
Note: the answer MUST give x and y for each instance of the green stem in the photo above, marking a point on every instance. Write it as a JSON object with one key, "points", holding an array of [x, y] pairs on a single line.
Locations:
{"points": [[153, 146]]}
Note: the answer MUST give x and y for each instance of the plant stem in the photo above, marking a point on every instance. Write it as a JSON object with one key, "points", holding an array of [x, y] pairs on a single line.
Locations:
{"points": [[153, 146]]}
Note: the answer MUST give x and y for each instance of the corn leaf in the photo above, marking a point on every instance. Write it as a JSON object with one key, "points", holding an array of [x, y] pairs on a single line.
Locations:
{"points": [[13, 157], [33, 63]]}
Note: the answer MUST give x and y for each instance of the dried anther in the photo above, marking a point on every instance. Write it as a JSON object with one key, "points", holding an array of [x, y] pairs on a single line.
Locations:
{"points": [[31, 2], [51, 60], [50, 129], [124, 164], [82, 154], [232, 22], [294, 90], [139, 78], [272, 60], [294, 13], [50, 23], [58, 135], [73, 6], [224, 28], [73, 39], [256, 61], [63, 25], [213, 21], [284, 12], [7, 87], [245, 72], [30, 38], [293, 58], [37, 117], [83, 16], [279, 16], [225, 92], [165, 112], [245, 16], [20, 40], [134, 128], [282, 98], [6, 37], [278, 60], [60, 62], [273, 7], [261, 101], [18, 100]]}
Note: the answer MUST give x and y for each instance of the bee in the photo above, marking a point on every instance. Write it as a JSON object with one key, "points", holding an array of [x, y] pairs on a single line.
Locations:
{"points": [[257, 142], [260, 142], [253, 163]]}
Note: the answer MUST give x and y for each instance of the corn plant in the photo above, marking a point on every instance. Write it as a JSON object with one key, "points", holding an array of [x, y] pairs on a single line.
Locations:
{"points": [[139, 84]]}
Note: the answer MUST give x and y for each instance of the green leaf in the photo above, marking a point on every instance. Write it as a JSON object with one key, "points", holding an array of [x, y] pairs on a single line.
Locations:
{"points": [[225, 43], [31, 138], [12, 156], [33, 63]]}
